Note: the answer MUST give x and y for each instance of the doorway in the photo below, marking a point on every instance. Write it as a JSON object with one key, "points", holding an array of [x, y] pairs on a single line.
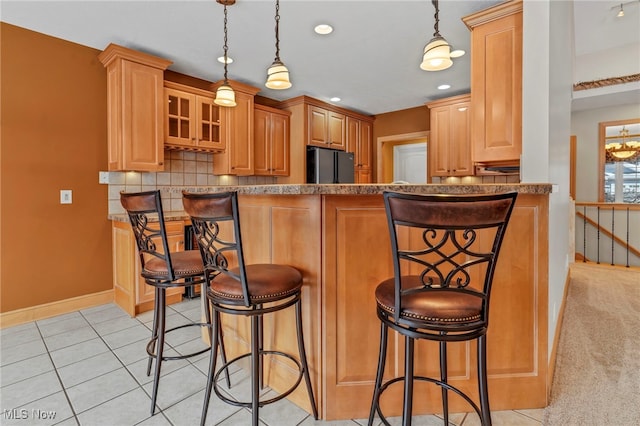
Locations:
{"points": [[410, 163], [386, 153]]}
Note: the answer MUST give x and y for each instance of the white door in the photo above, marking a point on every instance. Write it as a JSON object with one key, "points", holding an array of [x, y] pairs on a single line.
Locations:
{"points": [[410, 163]]}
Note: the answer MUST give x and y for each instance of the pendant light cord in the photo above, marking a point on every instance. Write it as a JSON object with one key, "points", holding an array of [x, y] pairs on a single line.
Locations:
{"points": [[225, 47], [437, 20], [277, 31]]}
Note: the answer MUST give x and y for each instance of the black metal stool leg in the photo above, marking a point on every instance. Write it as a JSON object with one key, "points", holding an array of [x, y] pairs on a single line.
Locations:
{"points": [[482, 381], [443, 378], [260, 349], [154, 333], [255, 370], [303, 359], [382, 357], [159, 347], [223, 351], [213, 355], [407, 408]]}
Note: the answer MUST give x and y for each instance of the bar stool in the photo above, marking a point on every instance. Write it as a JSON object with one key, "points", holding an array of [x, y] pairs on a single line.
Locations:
{"points": [[162, 269], [445, 249], [236, 288]]}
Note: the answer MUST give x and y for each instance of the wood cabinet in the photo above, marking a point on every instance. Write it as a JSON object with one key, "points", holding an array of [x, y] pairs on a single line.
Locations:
{"points": [[271, 141], [496, 82], [237, 158], [135, 109], [192, 121], [449, 140], [311, 123], [359, 141], [131, 293], [327, 128]]}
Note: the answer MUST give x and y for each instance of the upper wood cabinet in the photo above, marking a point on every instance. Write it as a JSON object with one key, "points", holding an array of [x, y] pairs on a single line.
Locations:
{"points": [[326, 128], [271, 141], [237, 132], [135, 109], [314, 122], [192, 120], [449, 140], [496, 82], [359, 141]]}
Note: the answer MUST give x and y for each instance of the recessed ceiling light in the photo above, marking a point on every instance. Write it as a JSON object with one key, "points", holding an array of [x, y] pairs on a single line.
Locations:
{"points": [[323, 29], [335, 99], [457, 53], [444, 87], [221, 59]]}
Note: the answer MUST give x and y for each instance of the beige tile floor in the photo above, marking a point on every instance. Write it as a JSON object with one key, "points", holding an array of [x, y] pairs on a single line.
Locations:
{"points": [[88, 368]]}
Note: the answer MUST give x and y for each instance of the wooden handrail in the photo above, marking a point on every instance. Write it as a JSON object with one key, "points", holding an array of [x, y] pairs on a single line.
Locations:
{"points": [[608, 233], [609, 206]]}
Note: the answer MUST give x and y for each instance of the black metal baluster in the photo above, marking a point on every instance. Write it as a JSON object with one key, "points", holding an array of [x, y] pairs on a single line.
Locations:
{"points": [[613, 232], [584, 234], [598, 239], [627, 237]]}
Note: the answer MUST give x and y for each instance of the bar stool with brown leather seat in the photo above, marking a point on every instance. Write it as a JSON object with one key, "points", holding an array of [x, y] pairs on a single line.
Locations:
{"points": [[162, 269], [445, 249], [250, 290]]}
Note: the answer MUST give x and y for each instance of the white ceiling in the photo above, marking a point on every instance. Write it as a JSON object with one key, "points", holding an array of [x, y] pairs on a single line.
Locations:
{"points": [[371, 60]]}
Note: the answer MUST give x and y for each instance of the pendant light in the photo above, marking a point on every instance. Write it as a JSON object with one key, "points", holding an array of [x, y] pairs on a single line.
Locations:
{"points": [[225, 96], [278, 74], [437, 53]]}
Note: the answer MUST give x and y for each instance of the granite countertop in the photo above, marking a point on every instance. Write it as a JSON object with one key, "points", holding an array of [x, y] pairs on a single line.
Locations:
{"points": [[369, 189], [353, 189]]}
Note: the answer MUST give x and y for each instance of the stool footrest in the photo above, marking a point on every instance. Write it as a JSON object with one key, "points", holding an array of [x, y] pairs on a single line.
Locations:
{"points": [[248, 404], [152, 343], [440, 383]]}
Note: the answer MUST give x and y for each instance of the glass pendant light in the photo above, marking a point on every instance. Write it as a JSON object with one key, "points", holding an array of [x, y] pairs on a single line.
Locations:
{"points": [[225, 96], [437, 53], [278, 74]]}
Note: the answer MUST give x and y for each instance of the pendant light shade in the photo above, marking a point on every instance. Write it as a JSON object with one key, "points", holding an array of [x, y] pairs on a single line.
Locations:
{"points": [[437, 54], [225, 96], [278, 74]]}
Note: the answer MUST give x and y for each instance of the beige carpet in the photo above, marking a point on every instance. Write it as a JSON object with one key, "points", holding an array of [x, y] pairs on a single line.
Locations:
{"points": [[597, 376]]}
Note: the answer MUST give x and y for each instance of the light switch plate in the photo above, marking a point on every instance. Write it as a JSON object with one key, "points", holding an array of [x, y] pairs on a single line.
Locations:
{"points": [[66, 196]]}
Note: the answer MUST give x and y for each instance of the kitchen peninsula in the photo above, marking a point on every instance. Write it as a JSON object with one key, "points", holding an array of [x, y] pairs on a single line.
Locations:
{"points": [[337, 236]]}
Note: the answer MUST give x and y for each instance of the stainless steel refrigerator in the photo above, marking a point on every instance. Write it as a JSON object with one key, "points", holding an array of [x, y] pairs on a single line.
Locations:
{"points": [[329, 166]]}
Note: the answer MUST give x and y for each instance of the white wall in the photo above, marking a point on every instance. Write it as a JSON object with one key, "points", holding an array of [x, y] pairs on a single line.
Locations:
{"points": [[584, 125], [547, 90]]}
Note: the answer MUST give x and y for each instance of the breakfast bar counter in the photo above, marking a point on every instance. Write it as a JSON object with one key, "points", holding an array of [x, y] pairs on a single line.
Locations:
{"points": [[337, 236]]}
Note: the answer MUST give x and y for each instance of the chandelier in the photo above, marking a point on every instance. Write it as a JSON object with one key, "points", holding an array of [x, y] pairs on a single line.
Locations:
{"points": [[622, 151]]}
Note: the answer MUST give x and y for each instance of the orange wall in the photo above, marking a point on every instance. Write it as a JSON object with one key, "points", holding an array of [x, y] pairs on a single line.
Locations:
{"points": [[405, 121], [53, 137]]}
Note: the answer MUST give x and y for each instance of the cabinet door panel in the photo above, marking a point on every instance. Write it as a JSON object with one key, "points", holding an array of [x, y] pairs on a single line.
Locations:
{"points": [[262, 137], [317, 122], [439, 146], [365, 155], [280, 145], [460, 155], [497, 89], [180, 117], [142, 130], [208, 130], [337, 130]]}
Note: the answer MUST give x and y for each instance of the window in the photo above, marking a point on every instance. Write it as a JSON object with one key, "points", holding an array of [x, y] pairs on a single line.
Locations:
{"points": [[620, 161]]}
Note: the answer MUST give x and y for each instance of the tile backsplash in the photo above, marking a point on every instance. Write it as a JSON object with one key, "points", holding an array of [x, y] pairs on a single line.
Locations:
{"points": [[183, 169], [190, 170]]}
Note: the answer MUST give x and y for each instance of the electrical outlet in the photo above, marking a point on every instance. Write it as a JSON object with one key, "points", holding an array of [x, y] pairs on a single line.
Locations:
{"points": [[103, 177], [66, 196]]}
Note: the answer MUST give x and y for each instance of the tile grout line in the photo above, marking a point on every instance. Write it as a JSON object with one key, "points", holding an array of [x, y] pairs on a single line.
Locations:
{"points": [[55, 370]]}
